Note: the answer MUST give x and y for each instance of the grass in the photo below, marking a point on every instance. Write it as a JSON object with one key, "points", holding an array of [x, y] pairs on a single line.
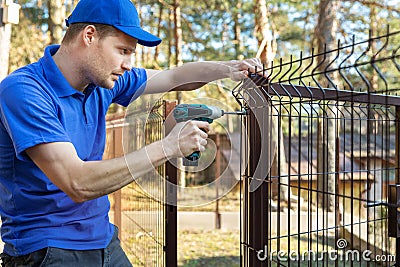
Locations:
{"points": [[195, 248], [208, 248]]}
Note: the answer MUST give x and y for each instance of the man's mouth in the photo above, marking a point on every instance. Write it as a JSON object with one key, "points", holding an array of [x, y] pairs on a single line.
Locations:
{"points": [[116, 75]]}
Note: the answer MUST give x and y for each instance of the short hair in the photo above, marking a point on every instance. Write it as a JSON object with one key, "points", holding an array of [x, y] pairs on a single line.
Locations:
{"points": [[103, 30]]}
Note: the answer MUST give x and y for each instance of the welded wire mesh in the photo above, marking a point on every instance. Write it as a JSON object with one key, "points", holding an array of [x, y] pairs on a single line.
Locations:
{"points": [[331, 154], [142, 213], [144, 230]]}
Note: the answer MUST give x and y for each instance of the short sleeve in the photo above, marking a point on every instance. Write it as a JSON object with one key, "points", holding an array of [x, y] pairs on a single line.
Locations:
{"points": [[29, 114], [130, 86]]}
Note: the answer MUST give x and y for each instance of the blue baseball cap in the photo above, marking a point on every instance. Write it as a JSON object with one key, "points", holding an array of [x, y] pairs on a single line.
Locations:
{"points": [[121, 14]]}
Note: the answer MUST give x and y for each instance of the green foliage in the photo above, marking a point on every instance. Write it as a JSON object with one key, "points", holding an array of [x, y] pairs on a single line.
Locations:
{"points": [[208, 27], [27, 39]]}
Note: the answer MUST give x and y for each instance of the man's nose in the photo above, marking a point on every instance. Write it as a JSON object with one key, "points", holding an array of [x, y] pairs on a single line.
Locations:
{"points": [[127, 64]]}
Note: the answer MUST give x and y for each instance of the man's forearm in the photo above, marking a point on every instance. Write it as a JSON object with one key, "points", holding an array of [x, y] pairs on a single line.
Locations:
{"points": [[104, 177], [85, 180], [193, 75]]}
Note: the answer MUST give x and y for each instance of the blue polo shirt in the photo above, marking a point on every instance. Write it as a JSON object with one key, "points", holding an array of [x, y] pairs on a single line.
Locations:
{"points": [[37, 105]]}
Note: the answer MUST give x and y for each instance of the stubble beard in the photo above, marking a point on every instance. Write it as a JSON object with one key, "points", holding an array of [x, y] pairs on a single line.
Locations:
{"points": [[102, 78], [98, 75], [106, 83]]}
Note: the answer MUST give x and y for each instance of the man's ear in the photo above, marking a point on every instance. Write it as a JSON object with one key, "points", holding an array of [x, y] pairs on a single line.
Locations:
{"points": [[89, 35]]}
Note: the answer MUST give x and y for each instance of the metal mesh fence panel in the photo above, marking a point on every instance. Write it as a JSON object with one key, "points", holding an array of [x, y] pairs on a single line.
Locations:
{"points": [[139, 208], [320, 188]]}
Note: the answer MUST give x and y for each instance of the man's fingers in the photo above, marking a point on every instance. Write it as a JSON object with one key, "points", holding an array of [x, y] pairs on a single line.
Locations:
{"points": [[256, 65], [203, 142], [238, 75], [188, 137], [241, 68], [203, 125], [203, 135], [253, 65]]}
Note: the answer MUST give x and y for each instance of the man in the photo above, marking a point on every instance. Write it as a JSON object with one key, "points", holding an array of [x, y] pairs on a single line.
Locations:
{"points": [[53, 181]]}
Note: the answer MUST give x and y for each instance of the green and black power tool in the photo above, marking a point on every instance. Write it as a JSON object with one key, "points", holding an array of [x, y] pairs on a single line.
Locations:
{"points": [[199, 112]]}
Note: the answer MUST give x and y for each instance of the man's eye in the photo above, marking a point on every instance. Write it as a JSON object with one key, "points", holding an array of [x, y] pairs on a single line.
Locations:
{"points": [[127, 52]]}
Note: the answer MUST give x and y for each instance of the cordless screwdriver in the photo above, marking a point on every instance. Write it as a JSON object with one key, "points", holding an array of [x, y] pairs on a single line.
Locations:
{"points": [[199, 112]]}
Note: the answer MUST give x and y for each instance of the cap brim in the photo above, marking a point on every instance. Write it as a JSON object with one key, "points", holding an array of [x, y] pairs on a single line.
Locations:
{"points": [[144, 38]]}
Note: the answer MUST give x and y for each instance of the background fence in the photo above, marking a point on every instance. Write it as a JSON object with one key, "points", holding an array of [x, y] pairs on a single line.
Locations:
{"points": [[323, 150], [147, 224]]}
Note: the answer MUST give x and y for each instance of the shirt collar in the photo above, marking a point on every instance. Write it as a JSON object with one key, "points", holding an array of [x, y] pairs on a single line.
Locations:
{"points": [[53, 74]]}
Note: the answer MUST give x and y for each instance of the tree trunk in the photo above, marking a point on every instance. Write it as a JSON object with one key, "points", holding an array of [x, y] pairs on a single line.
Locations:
{"points": [[375, 191], [178, 33], [326, 28], [263, 32], [178, 40], [157, 49], [328, 124], [170, 34], [237, 30], [374, 30], [56, 18], [139, 56], [5, 42]]}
